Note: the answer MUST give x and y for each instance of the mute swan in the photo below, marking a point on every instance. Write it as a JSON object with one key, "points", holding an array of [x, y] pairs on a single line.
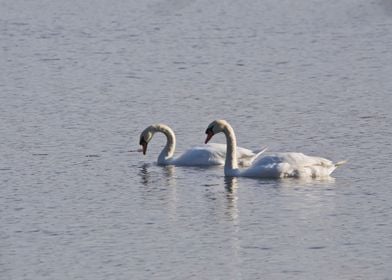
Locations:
{"points": [[207, 155], [280, 165]]}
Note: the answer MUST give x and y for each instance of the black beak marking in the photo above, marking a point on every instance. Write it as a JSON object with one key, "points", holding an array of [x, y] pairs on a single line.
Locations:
{"points": [[209, 130], [142, 141]]}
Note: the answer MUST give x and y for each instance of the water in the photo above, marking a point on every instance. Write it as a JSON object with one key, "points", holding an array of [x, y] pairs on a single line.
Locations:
{"points": [[81, 79]]}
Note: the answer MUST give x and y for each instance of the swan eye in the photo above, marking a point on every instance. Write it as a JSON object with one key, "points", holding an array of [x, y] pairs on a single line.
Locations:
{"points": [[210, 130]]}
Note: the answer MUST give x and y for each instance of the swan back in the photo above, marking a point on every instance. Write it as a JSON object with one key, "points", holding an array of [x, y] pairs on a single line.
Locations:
{"points": [[283, 165]]}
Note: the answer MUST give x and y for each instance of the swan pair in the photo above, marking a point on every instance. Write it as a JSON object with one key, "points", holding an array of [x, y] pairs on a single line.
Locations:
{"points": [[279, 165], [206, 155]]}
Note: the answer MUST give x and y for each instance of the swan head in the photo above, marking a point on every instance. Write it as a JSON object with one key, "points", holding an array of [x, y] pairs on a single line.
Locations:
{"points": [[215, 127], [146, 137]]}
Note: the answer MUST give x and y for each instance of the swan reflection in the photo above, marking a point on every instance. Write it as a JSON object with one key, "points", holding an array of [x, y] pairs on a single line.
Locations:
{"points": [[159, 187], [144, 174], [149, 176], [231, 185]]}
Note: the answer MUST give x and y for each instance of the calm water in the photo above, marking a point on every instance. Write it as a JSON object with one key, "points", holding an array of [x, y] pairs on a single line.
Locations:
{"points": [[81, 79]]}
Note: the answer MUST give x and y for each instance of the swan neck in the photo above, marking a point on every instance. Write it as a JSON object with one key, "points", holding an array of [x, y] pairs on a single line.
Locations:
{"points": [[168, 151], [231, 152]]}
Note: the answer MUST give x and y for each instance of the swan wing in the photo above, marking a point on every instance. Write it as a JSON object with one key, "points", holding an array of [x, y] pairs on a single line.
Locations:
{"points": [[282, 165], [213, 154], [245, 156], [201, 156], [295, 159]]}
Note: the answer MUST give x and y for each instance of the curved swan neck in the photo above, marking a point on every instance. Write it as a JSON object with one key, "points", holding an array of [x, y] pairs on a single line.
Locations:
{"points": [[231, 150], [168, 151]]}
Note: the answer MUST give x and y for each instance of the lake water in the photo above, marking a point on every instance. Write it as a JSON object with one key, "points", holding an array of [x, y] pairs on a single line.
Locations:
{"points": [[81, 79]]}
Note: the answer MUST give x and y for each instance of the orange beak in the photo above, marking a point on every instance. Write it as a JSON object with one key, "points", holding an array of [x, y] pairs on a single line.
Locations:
{"points": [[209, 136]]}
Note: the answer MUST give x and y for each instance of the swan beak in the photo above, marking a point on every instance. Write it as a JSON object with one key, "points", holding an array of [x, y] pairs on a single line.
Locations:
{"points": [[143, 143], [209, 136]]}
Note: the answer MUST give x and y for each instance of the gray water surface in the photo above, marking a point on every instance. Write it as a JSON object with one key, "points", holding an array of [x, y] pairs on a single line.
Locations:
{"points": [[81, 79]]}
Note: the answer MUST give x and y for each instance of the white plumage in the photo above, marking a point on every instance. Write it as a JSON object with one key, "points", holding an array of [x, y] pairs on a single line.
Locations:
{"points": [[206, 155], [279, 165]]}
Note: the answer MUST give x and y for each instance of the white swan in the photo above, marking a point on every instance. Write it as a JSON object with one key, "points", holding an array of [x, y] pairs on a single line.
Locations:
{"points": [[206, 155], [281, 165]]}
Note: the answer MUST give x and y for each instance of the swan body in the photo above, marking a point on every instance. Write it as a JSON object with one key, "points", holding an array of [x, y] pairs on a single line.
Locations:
{"points": [[279, 165], [206, 155]]}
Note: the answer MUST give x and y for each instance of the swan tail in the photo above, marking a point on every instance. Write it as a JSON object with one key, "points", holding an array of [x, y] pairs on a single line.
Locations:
{"points": [[339, 163]]}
